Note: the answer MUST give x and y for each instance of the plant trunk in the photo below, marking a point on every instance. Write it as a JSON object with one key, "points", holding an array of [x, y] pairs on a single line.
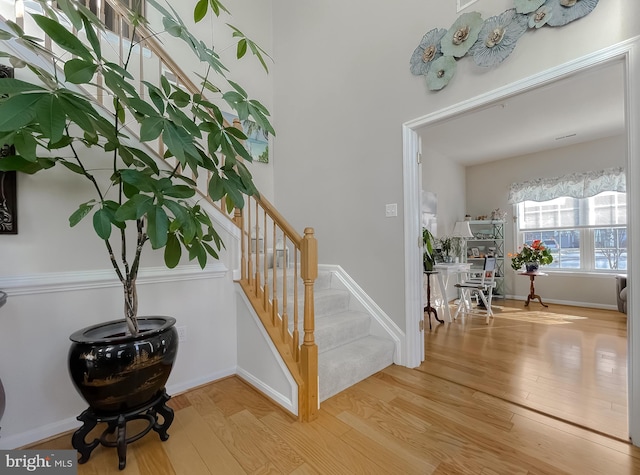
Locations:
{"points": [[131, 306]]}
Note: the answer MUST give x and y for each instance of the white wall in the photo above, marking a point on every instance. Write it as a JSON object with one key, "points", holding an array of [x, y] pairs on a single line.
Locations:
{"points": [[488, 188], [343, 89], [446, 179]]}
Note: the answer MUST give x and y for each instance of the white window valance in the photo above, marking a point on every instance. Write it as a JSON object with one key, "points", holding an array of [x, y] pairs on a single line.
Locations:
{"points": [[575, 185]]}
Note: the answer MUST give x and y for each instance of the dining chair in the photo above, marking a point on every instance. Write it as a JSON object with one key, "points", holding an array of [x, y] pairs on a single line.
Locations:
{"points": [[478, 283]]}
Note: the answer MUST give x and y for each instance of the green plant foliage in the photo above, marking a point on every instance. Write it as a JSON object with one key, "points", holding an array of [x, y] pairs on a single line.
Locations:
{"points": [[428, 254], [52, 121]]}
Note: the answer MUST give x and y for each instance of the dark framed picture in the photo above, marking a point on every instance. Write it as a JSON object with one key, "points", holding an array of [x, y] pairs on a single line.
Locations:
{"points": [[8, 183]]}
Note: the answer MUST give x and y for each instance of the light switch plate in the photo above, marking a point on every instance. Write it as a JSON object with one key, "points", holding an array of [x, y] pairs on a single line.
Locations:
{"points": [[391, 210]]}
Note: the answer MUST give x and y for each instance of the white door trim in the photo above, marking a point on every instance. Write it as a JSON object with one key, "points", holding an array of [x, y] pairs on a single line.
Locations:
{"points": [[627, 51]]}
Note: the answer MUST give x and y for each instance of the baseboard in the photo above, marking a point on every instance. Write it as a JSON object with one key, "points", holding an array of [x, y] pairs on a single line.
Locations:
{"points": [[33, 436], [374, 310], [176, 389], [279, 398], [565, 302]]}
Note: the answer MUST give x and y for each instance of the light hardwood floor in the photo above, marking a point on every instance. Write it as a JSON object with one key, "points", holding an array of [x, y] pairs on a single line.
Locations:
{"points": [[404, 421], [568, 362]]}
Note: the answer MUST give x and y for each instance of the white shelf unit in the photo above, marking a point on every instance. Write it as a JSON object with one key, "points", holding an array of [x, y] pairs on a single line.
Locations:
{"points": [[489, 241]]}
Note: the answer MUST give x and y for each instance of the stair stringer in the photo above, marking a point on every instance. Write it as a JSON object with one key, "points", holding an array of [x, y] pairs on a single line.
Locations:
{"points": [[381, 324], [258, 361]]}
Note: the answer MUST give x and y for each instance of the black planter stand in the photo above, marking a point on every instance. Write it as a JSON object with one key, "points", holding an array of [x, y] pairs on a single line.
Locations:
{"points": [[117, 423]]}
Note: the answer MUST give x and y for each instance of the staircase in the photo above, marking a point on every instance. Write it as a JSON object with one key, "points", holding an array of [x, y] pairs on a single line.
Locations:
{"points": [[349, 348]]}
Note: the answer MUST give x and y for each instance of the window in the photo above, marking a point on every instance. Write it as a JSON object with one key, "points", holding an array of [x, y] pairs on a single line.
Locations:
{"points": [[587, 234]]}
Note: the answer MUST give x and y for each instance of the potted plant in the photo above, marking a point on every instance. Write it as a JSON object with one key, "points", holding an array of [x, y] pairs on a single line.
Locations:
{"points": [[531, 256], [138, 202], [428, 249], [446, 245]]}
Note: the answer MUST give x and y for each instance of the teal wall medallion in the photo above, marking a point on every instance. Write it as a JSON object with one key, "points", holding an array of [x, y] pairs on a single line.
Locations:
{"points": [[490, 41]]}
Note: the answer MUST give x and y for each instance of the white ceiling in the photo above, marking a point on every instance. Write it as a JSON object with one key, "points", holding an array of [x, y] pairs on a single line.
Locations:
{"points": [[586, 106]]}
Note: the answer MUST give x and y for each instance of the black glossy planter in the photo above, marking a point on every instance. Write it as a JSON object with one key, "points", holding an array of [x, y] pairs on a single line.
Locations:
{"points": [[115, 372]]}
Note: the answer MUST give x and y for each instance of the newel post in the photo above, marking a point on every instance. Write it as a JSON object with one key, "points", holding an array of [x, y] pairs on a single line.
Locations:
{"points": [[308, 402]]}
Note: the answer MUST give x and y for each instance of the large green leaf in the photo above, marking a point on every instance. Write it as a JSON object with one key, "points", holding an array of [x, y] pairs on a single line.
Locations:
{"points": [[210, 250], [51, 117], [142, 107], [94, 41], [157, 227], [73, 167], [172, 251], [102, 223], [83, 210], [134, 208], [239, 148], [18, 111], [19, 164], [156, 95], [180, 213], [121, 87], [115, 67], [241, 49], [180, 98], [216, 187], [72, 13], [12, 86], [179, 191], [179, 142], [200, 10], [151, 128], [172, 27], [146, 159], [260, 117], [63, 37], [246, 178], [181, 119], [79, 71], [26, 145], [196, 251], [232, 186], [139, 180], [76, 114]]}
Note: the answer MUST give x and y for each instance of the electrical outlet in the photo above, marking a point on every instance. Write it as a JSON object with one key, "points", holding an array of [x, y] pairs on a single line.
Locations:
{"points": [[182, 333]]}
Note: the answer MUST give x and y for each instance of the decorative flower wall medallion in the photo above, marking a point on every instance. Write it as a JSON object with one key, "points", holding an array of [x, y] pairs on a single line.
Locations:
{"points": [[489, 42], [540, 17], [427, 51], [462, 35], [528, 6], [498, 38], [441, 72], [566, 11]]}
